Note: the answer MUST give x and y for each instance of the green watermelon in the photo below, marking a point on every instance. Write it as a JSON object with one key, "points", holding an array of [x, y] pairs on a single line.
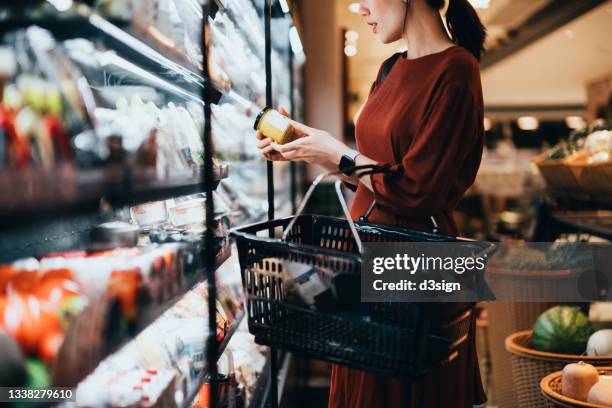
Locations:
{"points": [[562, 330]]}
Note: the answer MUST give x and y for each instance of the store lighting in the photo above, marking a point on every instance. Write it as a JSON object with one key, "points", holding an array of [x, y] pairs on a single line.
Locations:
{"points": [[354, 8], [350, 50], [284, 6], [351, 36], [575, 122], [61, 5], [528, 123], [480, 4], [294, 40], [487, 124]]}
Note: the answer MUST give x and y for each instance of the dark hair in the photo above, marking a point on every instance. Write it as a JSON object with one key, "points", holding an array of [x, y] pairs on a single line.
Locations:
{"points": [[463, 24]]}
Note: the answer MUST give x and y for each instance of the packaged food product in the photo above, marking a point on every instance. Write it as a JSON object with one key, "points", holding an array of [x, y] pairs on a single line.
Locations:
{"points": [[149, 214], [274, 125], [190, 212]]}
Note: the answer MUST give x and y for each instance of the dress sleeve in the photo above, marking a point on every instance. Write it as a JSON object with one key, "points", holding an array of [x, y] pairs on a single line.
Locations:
{"points": [[420, 184]]}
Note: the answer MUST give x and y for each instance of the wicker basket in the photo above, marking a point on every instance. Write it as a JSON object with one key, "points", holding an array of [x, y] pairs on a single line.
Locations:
{"points": [[593, 178], [551, 389], [529, 366], [528, 285], [557, 173], [504, 319]]}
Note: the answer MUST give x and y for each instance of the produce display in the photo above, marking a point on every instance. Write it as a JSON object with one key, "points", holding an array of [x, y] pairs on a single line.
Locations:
{"points": [[563, 330], [582, 164], [551, 258], [600, 343], [601, 393], [578, 379], [583, 383]]}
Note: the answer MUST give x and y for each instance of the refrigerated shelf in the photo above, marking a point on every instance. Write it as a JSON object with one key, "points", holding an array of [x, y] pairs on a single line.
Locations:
{"points": [[38, 194]]}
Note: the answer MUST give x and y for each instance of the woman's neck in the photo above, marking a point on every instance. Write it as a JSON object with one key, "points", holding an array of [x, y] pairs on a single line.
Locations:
{"points": [[424, 32]]}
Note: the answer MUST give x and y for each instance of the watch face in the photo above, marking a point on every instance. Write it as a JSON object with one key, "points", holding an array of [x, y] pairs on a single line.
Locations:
{"points": [[346, 165]]}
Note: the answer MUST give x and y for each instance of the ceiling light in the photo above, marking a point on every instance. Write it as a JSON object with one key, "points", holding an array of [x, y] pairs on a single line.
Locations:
{"points": [[294, 40], [351, 36], [569, 34], [354, 8], [575, 122], [350, 50], [284, 6], [480, 4], [487, 124], [528, 123]]}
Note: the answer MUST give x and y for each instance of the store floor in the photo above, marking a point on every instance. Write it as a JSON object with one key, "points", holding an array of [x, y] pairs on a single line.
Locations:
{"points": [[307, 384]]}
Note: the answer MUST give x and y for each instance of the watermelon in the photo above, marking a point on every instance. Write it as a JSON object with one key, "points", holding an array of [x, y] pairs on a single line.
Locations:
{"points": [[562, 330]]}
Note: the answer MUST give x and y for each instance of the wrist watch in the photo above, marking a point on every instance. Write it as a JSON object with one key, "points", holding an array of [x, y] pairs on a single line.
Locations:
{"points": [[347, 163]]}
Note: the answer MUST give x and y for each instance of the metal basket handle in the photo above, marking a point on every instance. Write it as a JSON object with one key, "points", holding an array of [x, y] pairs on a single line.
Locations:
{"points": [[360, 171]]}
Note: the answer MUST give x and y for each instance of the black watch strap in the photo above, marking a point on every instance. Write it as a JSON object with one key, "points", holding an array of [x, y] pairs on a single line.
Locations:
{"points": [[347, 164]]}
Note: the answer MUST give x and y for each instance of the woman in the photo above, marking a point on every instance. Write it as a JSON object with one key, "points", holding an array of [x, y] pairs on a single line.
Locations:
{"points": [[424, 122]]}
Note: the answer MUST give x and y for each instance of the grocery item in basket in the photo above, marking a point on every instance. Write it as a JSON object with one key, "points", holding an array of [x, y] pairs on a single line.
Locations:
{"points": [[601, 393], [600, 343], [307, 283], [274, 125], [577, 380], [562, 329]]}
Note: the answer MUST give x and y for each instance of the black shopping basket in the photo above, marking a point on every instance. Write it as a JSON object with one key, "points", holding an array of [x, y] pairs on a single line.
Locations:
{"points": [[394, 339]]}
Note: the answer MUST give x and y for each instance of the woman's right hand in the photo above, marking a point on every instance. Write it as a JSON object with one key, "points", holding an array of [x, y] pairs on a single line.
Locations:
{"points": [[265, 143]]}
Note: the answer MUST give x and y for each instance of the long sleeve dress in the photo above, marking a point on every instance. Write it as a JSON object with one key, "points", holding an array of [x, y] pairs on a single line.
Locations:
{"points": [[424, 121]]}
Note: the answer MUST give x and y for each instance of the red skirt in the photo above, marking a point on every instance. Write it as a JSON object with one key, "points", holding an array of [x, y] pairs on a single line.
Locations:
{"points": [[457, 384]]}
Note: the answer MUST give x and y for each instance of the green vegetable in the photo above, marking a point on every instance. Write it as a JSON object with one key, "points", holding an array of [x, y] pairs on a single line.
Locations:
{"points": [[38, 376], [563, 330]]}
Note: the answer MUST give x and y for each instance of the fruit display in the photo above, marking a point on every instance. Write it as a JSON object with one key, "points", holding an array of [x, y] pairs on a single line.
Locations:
{"points": [[601, 393], [577, 380], [600, 343], [583, 164], [582, 383], [563, 330]]}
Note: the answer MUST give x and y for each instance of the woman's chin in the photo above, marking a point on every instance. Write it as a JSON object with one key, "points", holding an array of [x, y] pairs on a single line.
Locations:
{"points": [[385, 38]]}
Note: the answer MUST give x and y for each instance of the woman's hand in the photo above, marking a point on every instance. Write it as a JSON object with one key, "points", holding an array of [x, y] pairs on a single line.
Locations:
{"points": [[265, 143], [311, 146]]}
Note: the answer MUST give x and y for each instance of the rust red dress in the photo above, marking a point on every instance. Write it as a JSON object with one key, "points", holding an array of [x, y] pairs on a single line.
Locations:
{"points": [[424, 121]]}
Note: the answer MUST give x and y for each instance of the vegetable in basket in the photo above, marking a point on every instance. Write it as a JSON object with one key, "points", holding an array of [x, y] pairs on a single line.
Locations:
{"points": [[563, 330], [577, 380]]}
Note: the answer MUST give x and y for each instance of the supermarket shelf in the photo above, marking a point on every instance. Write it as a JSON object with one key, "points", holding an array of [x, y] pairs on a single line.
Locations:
{"points": [[597, 223], [574, 200], [115, 34], [261, 396], [111, 335], [202, 377], [38, 194]]}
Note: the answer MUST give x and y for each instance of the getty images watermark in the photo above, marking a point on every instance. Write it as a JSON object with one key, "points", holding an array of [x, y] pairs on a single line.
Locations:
{"points": [[476, 271]]}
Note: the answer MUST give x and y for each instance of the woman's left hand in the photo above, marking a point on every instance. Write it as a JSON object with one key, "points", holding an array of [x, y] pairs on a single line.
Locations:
{"points": [[313, 146]]}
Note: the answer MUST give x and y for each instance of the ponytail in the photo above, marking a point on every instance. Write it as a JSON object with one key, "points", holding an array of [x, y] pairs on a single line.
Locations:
{"points": [[464, 25]]}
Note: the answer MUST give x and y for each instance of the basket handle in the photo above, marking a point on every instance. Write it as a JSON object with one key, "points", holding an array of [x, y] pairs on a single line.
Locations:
{"points": [[359, 171]]}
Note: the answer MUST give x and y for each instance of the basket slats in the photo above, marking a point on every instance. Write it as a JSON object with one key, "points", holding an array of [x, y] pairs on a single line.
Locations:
{"points": [[529, 366], [551, 389]]}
